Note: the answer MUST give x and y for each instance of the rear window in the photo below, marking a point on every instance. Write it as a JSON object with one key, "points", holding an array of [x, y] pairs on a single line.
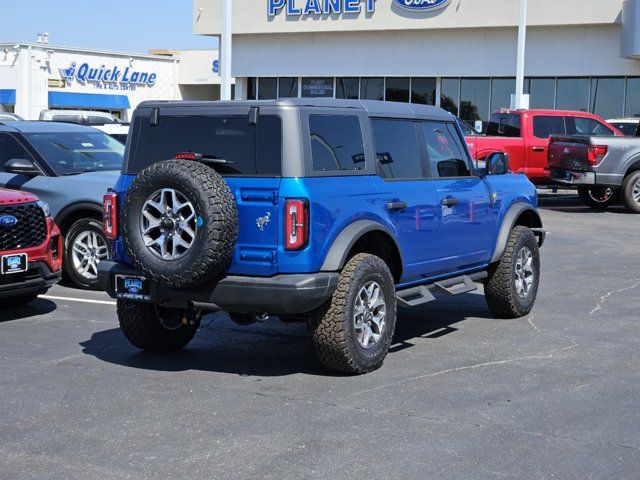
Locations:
{"points": [[545, 126], [504, 125], [248, 149], [336, 143]]}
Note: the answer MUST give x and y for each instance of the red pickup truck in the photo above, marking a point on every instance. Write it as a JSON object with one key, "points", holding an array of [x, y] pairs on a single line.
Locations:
{"points": [[524, 135]]}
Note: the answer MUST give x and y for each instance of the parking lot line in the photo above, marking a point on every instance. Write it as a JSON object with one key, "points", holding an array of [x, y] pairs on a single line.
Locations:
{"points": [[79, 300]]}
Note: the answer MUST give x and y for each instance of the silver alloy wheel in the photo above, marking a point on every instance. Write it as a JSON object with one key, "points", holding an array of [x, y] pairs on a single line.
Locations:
{"points": [[524, 272], [88, 249], [369, 314], [636, 192], [168, 224]]}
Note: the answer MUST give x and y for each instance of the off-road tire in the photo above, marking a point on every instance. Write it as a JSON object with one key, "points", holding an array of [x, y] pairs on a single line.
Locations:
{"points": [[626, 192], [587, 194], [332, 325], [141, 325], [69, 271], [500, 291], [215, 208]]}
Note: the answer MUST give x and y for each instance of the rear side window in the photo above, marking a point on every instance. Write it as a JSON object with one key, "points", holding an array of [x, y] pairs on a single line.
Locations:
{"points": [[248, 149], [336, 143], [447, 157], [397, 149], [545, 126], [504, 125], [590, 126]]}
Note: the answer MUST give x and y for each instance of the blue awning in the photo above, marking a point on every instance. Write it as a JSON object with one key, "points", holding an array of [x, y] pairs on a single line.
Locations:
{"points": [[7, 97], [88, 100]]}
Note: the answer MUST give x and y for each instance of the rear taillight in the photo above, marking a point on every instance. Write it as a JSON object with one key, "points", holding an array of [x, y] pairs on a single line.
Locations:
{"points": [[296, 224], [187, 156], [595, 154], [110, 215]]}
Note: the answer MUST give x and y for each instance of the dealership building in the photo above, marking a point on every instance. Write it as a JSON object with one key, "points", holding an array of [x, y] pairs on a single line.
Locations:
{"points": [[39, 76], [458, 54]]}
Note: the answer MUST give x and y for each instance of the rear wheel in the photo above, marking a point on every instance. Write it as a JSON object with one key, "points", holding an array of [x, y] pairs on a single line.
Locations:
{"points": [[353, 331], [630, 192], [598, 198], [157, 329], [85, 246]]}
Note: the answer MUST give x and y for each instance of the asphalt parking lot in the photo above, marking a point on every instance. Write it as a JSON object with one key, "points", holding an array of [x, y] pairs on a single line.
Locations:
{"points": [[461, 395]]}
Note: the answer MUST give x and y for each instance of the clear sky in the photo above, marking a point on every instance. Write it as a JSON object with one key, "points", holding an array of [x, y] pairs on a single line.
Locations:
{"points": [[121, 25]]}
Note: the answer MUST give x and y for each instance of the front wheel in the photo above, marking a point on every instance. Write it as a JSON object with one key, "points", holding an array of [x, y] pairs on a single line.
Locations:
{"points": [[512, 286], [352, 332], [157, 329], [84, 247], [598, 198]]}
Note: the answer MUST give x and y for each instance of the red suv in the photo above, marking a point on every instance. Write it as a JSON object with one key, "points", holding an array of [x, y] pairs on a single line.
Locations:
{"points": [[30, 248]]}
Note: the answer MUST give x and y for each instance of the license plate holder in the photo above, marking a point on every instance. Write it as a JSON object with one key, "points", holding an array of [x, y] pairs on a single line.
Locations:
{"points": [[132, 287], [11, 264]]}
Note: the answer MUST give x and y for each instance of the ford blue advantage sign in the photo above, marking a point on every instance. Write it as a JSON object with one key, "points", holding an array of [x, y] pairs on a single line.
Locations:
{"points": [[422, 5]]}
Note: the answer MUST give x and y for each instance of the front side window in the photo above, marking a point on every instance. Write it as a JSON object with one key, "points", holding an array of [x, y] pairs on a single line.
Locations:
{"points": [[11, 149], [545, 126], [397, 149], [336, 143], [447, 156], [71, 153], [590, 126]]}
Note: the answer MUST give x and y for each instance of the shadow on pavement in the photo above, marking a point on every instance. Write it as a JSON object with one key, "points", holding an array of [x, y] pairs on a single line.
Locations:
{"points": [[36, 308], [273, 348]]}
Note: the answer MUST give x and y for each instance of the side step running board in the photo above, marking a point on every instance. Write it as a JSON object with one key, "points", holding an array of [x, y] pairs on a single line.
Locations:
{"points": [[414, 296]]}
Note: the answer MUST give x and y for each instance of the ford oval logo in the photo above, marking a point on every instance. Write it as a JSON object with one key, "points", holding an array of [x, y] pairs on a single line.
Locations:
{"points": [[8, 221], [417, 5]]}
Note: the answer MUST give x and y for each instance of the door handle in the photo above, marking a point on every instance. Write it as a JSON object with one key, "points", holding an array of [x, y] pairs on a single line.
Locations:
{"points": [[538, 149], [394, 206], [450, 201]]}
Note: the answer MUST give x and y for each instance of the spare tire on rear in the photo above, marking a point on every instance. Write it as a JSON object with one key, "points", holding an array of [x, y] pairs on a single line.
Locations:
{"points": [[180, 223]]}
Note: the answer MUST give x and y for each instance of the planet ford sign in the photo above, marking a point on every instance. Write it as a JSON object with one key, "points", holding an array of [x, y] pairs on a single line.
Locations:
{"points": [[417, 5]]}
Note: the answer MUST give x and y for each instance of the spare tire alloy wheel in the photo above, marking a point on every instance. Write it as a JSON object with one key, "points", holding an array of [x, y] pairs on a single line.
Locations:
{"points": [[168, 223]]}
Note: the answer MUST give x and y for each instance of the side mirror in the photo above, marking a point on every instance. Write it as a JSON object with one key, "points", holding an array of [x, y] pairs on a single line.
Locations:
{"points": [[497, 163], [21, 166]]}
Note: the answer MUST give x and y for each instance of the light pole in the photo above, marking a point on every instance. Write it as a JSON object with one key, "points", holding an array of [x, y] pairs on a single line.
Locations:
{"points": [[225, 52], [520, 100]]}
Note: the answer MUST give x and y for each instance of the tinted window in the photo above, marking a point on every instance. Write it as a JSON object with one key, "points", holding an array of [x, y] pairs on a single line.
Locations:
{"points": [[447, 157], [336, 143], [573, 94], [629, 129], [544, 127], [11, 149], [397, 149], [474, 100], [504, 125], [467, 130], [589, 126], [288, 87], [542, 91], [501, 90], [251, 88], [397, 90], [348, 88], [607, 97], [267, 88], [372, 88], [450, 94], [250, 150], [632, 102], [93, 120], [423, 91], [70, 153]]}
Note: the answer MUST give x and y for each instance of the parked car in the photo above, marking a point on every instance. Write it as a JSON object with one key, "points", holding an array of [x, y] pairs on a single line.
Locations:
{"points": [[30, 248], [70, 167], [628, 126], [524, 136], [119, 131], [606, 170], [324, 211], [10, 117], [79, 117]]}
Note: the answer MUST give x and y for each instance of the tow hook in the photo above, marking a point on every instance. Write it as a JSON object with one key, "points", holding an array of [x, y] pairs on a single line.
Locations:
{"points": [[186, 321], [262, 317]]}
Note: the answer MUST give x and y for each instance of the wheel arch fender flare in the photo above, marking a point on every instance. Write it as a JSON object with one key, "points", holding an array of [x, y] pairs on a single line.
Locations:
{"points": [[520, 213], [70, 210], [337, 255]]}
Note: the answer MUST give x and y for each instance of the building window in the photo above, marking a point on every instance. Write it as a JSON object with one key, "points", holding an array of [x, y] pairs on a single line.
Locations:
{"points": [[632, 103], [607, 97], [348, 88], [542, 92], [317, 87], [267, 88], [336, 143], [372, 88], [251, 88], [287, 87], [450, 94], [397, 90], [501, 91], [474, 100], [573, 94], [423, 91]]}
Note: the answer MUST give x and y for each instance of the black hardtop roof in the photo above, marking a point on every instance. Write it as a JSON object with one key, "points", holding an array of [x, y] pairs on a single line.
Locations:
{"points": [[372, 107]]}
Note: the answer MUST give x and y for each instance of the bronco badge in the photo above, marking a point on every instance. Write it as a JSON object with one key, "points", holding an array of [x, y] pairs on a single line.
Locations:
{"points": [[262, 222]]}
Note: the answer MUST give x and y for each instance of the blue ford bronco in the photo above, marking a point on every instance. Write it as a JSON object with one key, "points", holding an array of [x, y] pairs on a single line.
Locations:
{"points": [[330, 212]]}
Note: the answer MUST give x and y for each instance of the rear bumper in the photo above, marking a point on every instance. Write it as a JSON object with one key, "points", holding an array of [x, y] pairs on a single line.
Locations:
{"points": [[38, 279], [280, 294], [572, 177]]}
